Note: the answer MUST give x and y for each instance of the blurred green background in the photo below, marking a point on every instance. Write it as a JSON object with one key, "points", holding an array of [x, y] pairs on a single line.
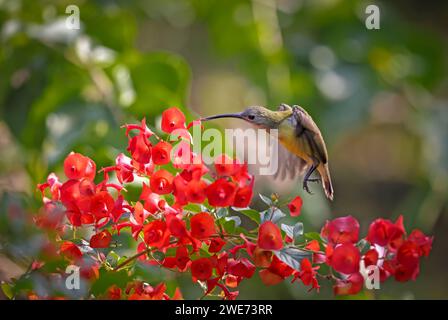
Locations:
{"points": [[380, 98]]}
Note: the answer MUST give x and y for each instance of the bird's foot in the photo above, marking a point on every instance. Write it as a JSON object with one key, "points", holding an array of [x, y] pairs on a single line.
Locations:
{"points": [[305, 187], [315, 180]]}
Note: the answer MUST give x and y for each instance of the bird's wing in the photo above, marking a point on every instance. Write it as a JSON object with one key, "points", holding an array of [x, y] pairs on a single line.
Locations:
{"points": [[305, 119], [311, 132], [289, 165]]}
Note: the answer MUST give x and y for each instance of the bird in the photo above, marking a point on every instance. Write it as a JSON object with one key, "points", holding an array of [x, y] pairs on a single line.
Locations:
{"points": [[303, 147]]}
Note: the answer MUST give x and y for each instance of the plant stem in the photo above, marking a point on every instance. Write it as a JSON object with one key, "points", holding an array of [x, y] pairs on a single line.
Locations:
{"points": [[132, 258]]}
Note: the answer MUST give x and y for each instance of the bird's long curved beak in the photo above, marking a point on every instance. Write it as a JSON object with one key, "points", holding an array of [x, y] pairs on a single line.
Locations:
{"points": [[225, 115]]}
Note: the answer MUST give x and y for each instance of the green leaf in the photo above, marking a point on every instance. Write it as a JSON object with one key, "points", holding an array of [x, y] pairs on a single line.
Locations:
{"points": [[149, 273], [295, 231], [298, 230], [231, 223], [221, 213], [289, 230], [153, 140], [193, 207], [266, 200], [113, 257], [363, 245], [158, 255], [252, 214], [272, 214], [292, 256], [107, 279], [235, 219], [7, 290], [313, 236]]}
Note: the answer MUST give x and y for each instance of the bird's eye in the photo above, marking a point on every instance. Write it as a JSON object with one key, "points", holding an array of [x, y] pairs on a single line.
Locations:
{"points": [[251, 117]]}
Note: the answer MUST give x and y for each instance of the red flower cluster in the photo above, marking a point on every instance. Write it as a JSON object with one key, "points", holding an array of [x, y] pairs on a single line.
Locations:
{"points": [[390, 251], [400, 253], [181, 222]]}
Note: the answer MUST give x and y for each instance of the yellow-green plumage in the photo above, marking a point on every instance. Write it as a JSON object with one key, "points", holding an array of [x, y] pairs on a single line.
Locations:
{"points": [[303, 138]]}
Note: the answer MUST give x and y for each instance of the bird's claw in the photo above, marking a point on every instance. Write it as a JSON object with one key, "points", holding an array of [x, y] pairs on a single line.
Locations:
{"points": [[305, 187], [315, 180]]}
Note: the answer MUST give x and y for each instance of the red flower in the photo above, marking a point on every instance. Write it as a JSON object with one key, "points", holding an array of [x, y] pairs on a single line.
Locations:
{"points": [[220, 263], [101, 239], [70, 250], [101, 205], [120, 206], [195, 191], [181, 155], [114, 293], [202, 225], [249, 246], [86, 187], [276, 273], [262, 258], [295, 206], [70, 192], [142, 127], [383, 232], [162, 182], [124, 168], [53, 183], [226, 166], [371, 258], [423, 242], [403, 273], [201, 269], [221, 193], [140, 148], [243, 197], [177, 227], [179, 189], [194, 170], [240, 268], [408, 254], [216, 245], [182, 258], [148, 293], [269, 236], [378, 232], [345, 258], [313, 245], [308, 274], [89, 270], [77, 166], [172, 119], [232, 281], [139, 214], [169, 262], [352, 285], [51, 217], [161, 153], [341, 230], [152, 200], [156, 234]]}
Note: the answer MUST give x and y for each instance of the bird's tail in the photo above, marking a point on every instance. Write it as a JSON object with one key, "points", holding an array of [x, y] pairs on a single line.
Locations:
{"points": [[326, 181]]}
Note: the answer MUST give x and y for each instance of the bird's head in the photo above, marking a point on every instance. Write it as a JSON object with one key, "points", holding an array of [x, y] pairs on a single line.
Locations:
{"points": [[256, 115]]}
